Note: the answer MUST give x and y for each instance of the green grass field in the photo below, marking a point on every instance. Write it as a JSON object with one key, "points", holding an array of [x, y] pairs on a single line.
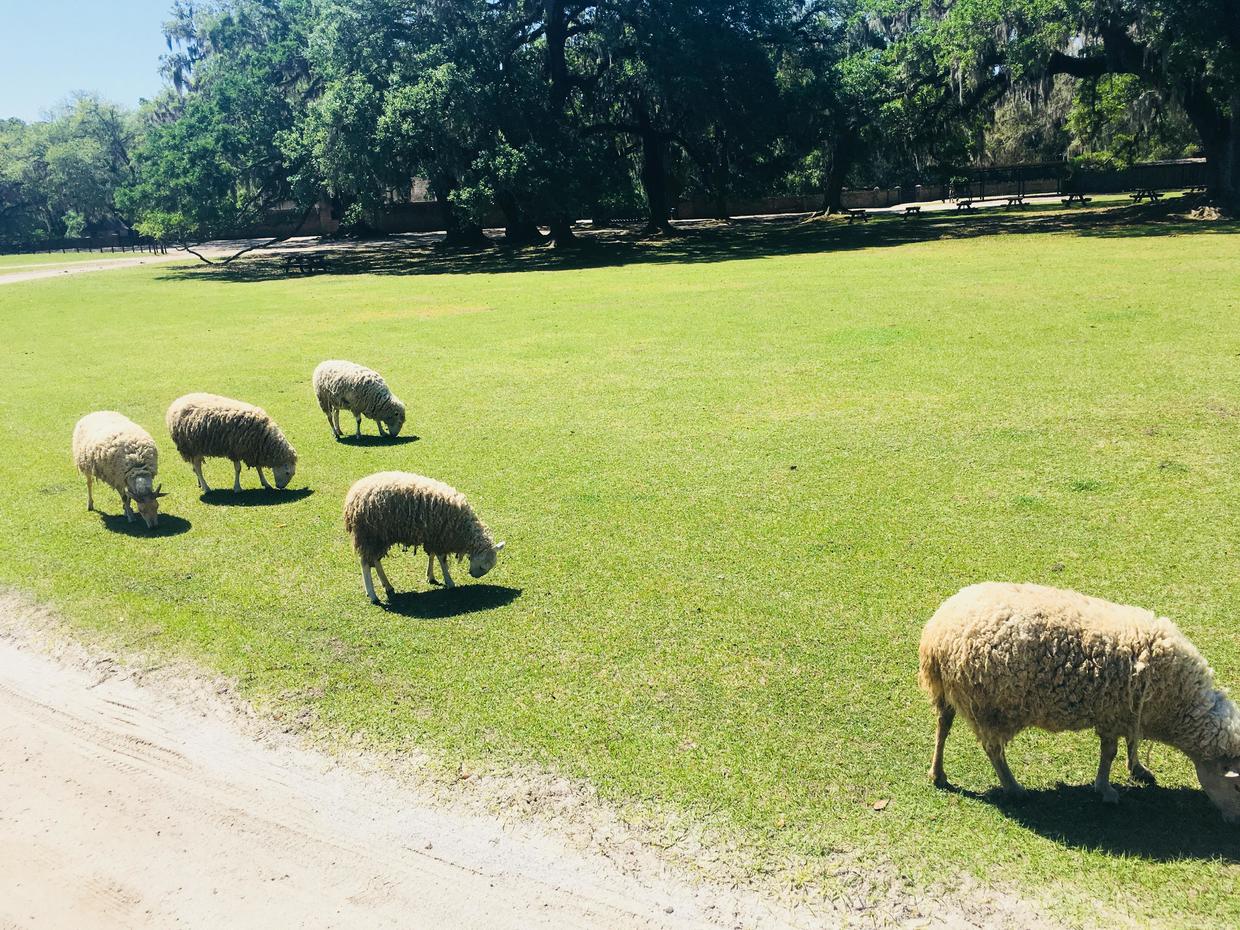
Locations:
{"points": [[736, 473]]}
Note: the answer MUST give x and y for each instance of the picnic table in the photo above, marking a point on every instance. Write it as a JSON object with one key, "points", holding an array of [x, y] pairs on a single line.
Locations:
{"points": [[855, 215], [1145, 193], [305, 263], [964, 205], [1017, 200], [1196, 189], [1076, 198], [912, 210]]}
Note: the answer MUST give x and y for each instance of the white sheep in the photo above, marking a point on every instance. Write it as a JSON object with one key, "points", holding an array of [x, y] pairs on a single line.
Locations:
{"points": [[396, 508], [113, 448], [207, 425], [1011, 656], [341, 385]]}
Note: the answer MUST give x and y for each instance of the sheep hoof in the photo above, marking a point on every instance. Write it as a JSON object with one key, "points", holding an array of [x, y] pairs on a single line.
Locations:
{"points": [[1016, 793], [1143, 776], [1108, 792], [939, 780]]}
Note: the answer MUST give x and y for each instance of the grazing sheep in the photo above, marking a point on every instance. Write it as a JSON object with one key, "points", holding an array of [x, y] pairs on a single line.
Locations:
{"points": [[207, 425], [396, 508], [341, 385], [120, 453], [1011, 656]]}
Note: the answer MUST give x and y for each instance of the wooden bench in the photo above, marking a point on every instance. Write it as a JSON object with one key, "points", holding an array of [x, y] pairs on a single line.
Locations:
{"points": [[1076, 198], [912, 210], [1017, 201], [1145, 193], [964, 205], [1195, 189], [306, 264], [855, 215]]}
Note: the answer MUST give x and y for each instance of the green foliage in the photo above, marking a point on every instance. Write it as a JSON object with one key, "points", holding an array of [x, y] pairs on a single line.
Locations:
{"points": [[68, 167], [212, 163], [1121, 120]]}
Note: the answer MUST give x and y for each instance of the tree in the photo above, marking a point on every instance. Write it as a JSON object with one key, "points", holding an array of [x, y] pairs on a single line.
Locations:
{"points": [[212, 164], [1186, 50]]}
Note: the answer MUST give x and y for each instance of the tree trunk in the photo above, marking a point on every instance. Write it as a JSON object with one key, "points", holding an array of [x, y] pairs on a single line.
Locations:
{"points": [[722, 175], [843, 156], [562, 234], [518, 229], [1223, 160], [654, 182], [458, 233]]}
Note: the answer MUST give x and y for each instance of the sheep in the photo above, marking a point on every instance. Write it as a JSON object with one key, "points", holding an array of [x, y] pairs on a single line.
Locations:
{"points": [[392, 508], [113, 448], [1011, 656], [341, 385], [205, 425]]}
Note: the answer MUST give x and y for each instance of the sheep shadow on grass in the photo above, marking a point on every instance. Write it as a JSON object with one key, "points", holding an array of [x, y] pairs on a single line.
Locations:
{"points": [[1154, 823], [441, 603], [253, 497], [169, 525], [367, 439]]}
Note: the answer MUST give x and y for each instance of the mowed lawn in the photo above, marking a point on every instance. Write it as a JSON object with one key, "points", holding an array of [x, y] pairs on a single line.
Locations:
{"points": [[733, 490]]}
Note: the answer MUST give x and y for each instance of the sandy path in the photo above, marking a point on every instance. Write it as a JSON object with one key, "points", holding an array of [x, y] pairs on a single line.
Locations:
{"points": [[122, 807], [107, 264]]}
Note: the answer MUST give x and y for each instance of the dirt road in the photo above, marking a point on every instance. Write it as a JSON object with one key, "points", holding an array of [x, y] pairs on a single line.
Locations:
{"points": [[106, 264], [122, 807]]}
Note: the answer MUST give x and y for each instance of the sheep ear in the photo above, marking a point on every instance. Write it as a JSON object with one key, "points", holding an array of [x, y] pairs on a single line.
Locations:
{"points": [[499, 545], [159, 491]]}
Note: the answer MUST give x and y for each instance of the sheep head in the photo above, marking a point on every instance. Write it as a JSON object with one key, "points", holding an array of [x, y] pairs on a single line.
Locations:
{"points": [[484, 560], [284, 474], [1220, 778], [148, 506]]}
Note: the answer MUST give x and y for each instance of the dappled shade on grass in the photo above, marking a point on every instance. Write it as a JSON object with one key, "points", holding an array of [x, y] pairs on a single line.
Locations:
{"points": [[423, 254]]}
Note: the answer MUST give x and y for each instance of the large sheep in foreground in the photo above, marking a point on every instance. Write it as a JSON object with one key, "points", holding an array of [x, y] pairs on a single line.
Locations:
{"points": [[120, 453], [1011, 656], [207, 425], [341, 385], [396, 508]]}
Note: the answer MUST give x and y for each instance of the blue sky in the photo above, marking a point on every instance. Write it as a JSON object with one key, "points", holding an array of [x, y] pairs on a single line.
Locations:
{"points": [[51, 48]]}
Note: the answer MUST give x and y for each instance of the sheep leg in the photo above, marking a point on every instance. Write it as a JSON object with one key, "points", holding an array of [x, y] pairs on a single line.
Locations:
{"points": [[90, 492], [383, 579], [202, 482], [332, 423], [430, 569], [125, 506], [447, 579], [368, 582], [947, 714], [1138, 771], [237, 477], [1102, 784], [996, 750], [263, 478], [359, 423]]}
